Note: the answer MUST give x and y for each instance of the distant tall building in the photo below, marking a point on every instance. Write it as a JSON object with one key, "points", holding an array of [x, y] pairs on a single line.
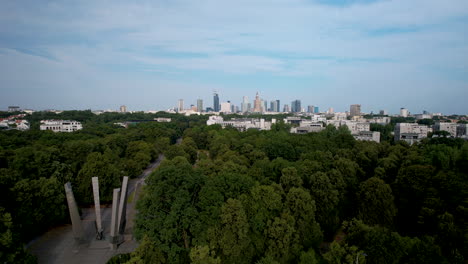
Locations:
{"points": [[199, 105], [316, 109], [403, 112], [123, 109], [245, 105], [180, 105], [355, 110], [296, 106], [310, 109], [383, 112], [216, 102], [226, 107], [274, 106], [277, 106], [286, 108], [257, 104], [265, 106], [331, 110]]}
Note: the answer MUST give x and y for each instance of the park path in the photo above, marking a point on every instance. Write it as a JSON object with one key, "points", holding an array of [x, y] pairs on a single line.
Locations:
{"points": [[58, 245]]}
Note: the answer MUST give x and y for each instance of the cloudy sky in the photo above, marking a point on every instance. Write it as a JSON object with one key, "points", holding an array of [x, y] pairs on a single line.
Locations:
{"points": [[148, 54]]}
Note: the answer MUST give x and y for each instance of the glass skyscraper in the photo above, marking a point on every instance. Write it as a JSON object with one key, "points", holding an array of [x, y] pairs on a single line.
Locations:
{"points": [[216, 102]]}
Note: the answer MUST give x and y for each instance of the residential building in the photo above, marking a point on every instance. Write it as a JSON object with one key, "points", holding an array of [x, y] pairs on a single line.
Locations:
{"points": [[451, 128], [462, 131], [305, 128], [411, 132], [368, 136], [123, 109], [355, 110], [61, 125], [241, 124]]}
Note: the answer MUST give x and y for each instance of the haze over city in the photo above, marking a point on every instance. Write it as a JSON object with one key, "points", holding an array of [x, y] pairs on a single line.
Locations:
{"points": [[147, 54]]}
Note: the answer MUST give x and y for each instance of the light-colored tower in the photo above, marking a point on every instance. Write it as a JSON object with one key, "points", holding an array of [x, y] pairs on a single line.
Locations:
{"points": [[245, 104], [180, 105], [257, 104], [403, 112], [200, 105], [355, 110], [123, 109]]}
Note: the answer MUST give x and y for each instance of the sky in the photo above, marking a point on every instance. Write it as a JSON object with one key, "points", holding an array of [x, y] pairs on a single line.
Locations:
{"points": [[148, 54]]}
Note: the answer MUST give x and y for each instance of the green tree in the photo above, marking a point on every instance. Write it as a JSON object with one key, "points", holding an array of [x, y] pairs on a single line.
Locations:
{"points": [[376, 206]]}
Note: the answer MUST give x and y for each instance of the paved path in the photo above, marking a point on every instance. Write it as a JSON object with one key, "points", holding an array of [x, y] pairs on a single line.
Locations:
{"points": [[58, 245]]}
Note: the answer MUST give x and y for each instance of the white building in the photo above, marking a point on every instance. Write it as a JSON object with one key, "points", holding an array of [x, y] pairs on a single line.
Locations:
{"points": [[411, 132], [225, 107], [240, 124], [162, 119], [61, 125], [353, 126], [123, 109], [404, 112], [448, 127]]}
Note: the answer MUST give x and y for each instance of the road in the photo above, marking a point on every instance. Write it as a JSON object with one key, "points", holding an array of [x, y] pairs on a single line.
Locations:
{"points": [[58, 245]]}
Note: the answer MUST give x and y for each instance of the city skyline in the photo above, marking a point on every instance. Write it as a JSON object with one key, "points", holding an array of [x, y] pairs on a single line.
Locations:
{"points": [[147, 55]]}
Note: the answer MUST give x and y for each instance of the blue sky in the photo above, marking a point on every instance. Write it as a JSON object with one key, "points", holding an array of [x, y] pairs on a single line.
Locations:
{"points": [[148, 54]]}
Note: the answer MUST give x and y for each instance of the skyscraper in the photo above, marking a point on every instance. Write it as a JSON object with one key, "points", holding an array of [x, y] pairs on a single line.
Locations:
{"points": [[199, 105], [216, 102], [265, 106], [180, 105], [257, 104], [278, 109], [403, 112], [355, 110], [245, 106], [316, 109], [286, 108], [296, 106], [310, 109], [273, 106]]}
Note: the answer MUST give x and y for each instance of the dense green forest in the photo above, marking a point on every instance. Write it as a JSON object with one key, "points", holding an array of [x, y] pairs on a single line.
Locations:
{"points": [[274, 197], [223, 196], [34, 165]]}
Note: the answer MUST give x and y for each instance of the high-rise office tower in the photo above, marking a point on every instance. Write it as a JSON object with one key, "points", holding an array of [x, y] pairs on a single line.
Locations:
{"points": [[199, 105], [180, 105], [273, 106], [265, 106], [257, 104], [123, 109], [355, 110], [310, 109], [296, 106], [216, 102], [278, 109], [316, 109], [286, 108], [245, 106]]}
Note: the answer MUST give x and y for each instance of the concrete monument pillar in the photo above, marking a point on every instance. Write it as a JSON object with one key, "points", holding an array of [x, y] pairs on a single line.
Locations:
{"points": [[78, 233], [114, 229], [97, 208], [122, 219]]}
